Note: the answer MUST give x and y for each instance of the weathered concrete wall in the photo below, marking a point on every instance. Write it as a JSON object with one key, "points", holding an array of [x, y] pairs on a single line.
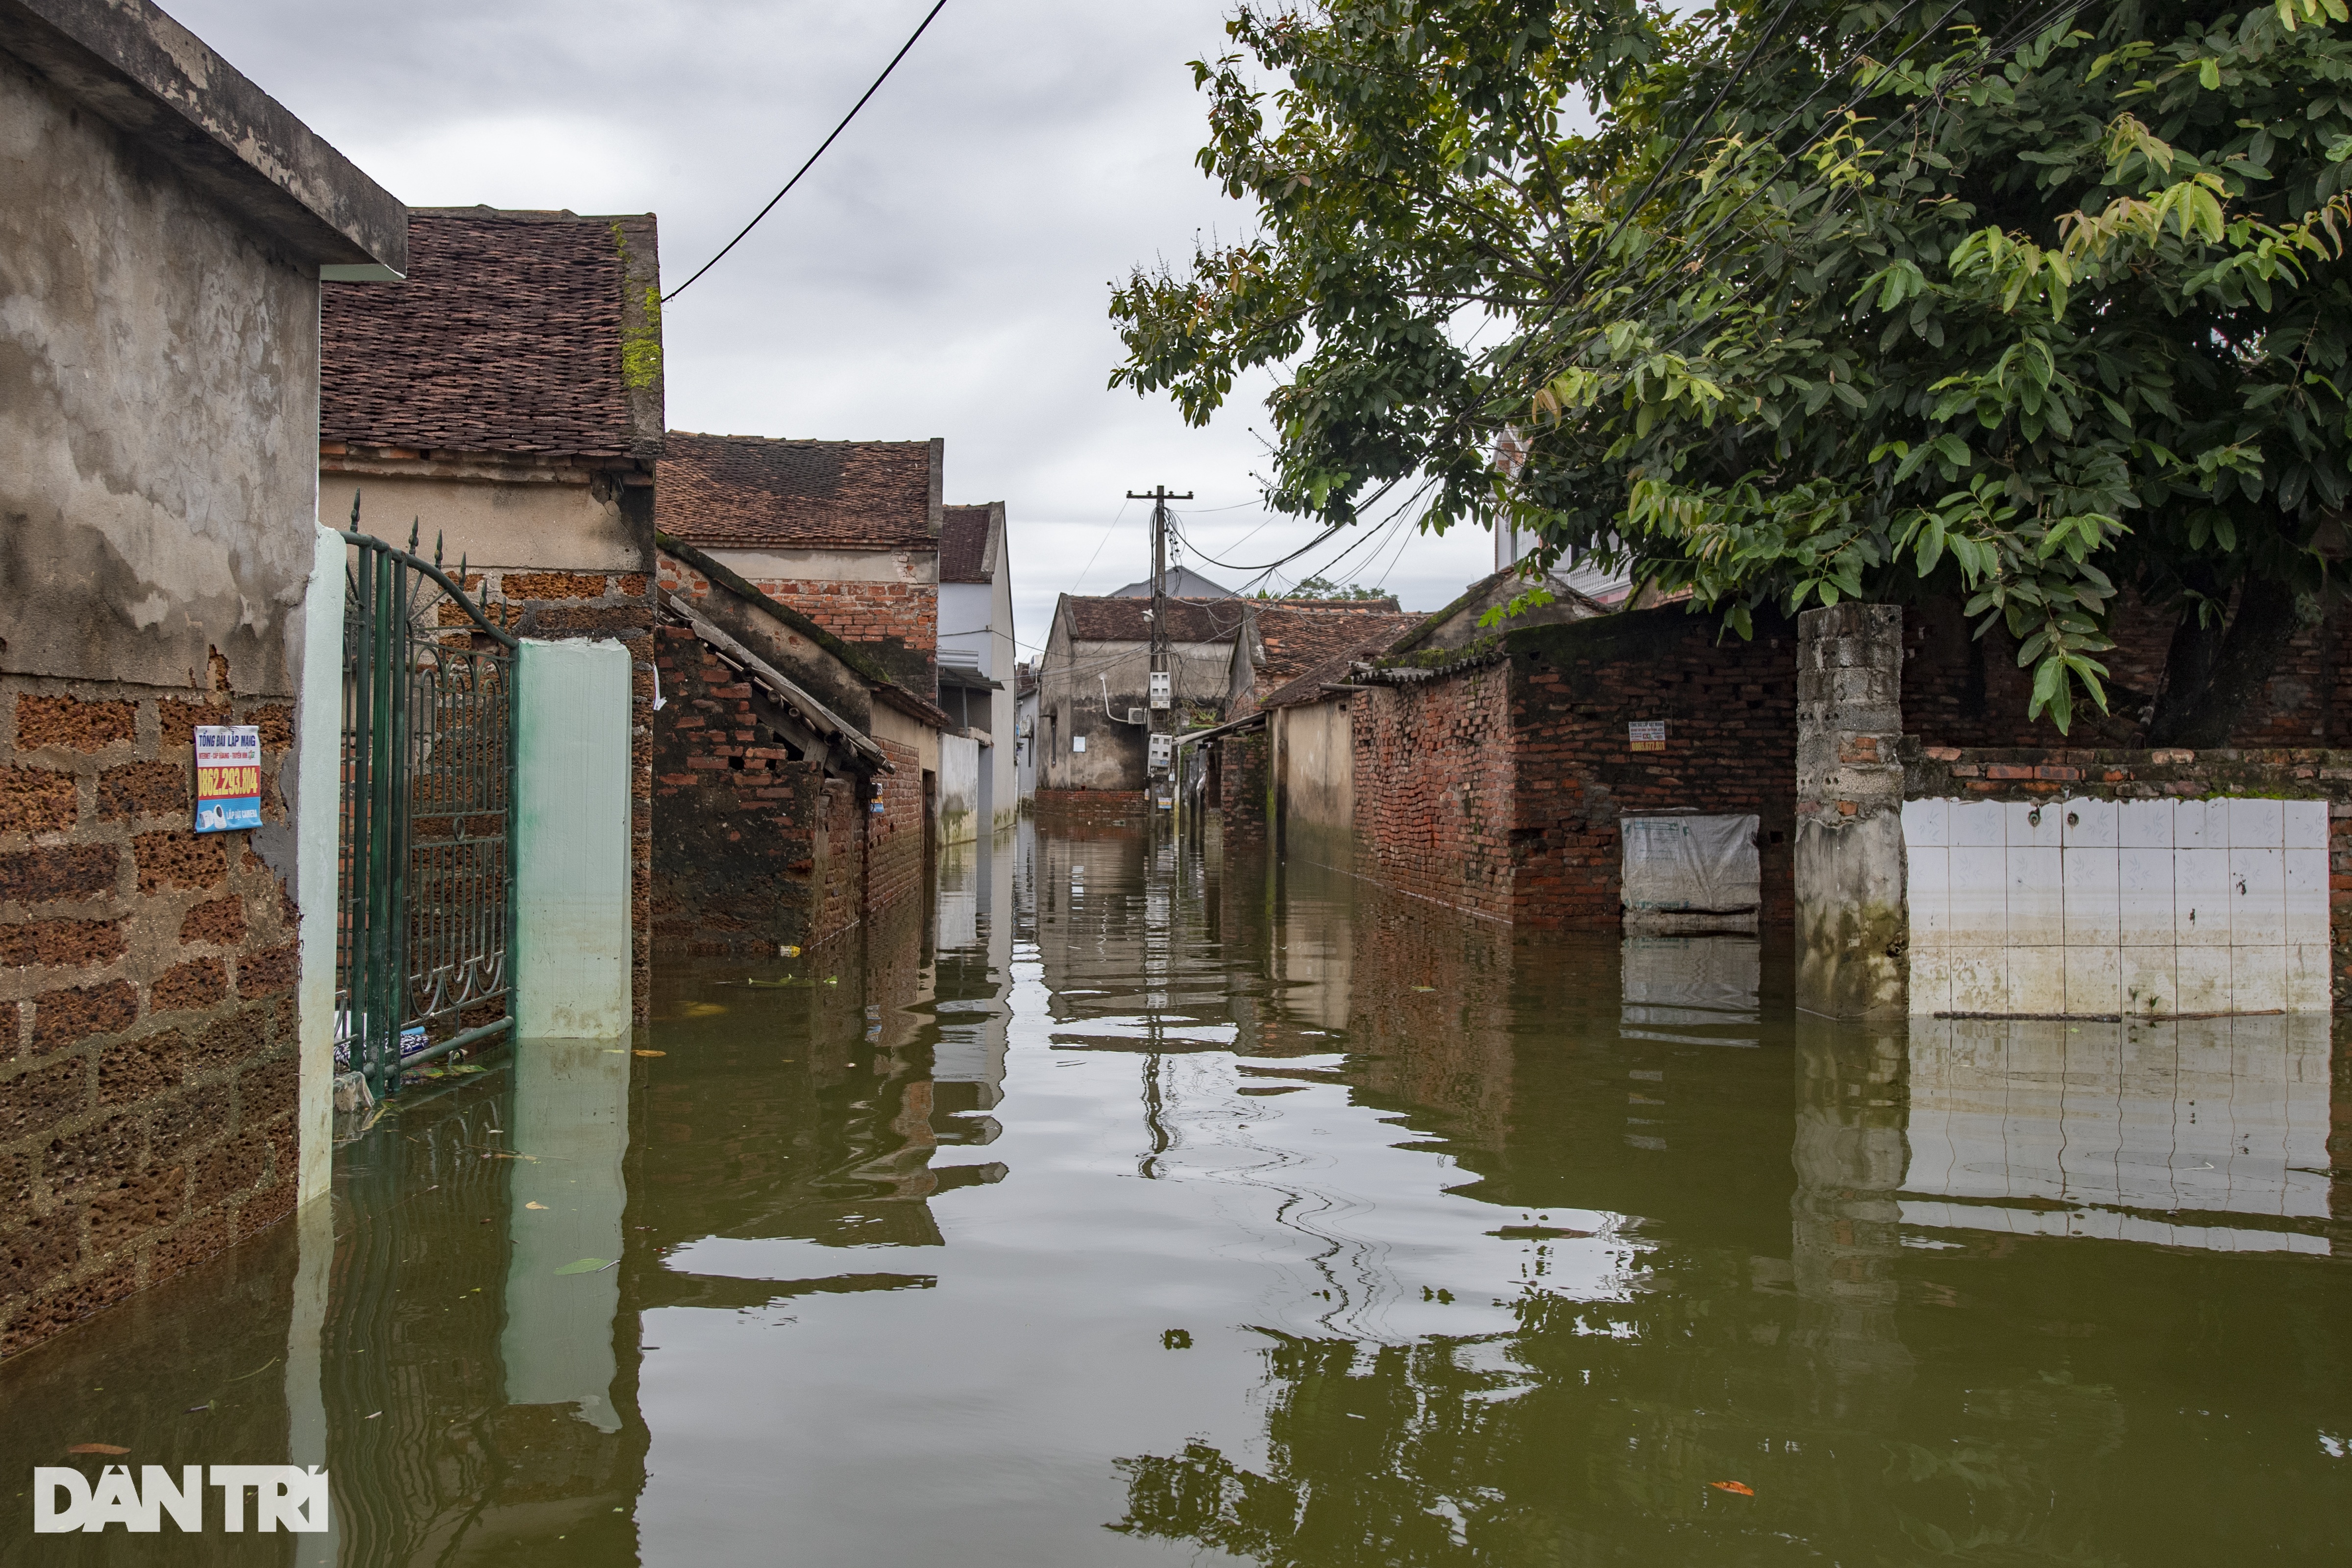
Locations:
{"points": [[162, 225], [159, 371], [1853, 931], [497, 513], [1072, 682], [1315, 769], [959, 803]]}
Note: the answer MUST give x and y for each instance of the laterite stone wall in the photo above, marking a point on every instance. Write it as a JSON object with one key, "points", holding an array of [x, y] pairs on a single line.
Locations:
{"points": [[149, 1052]]}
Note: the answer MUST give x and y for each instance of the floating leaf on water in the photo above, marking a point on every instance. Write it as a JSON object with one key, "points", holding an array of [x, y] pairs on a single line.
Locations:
{"points": [[96, 1448], [703, 1009], [1733, 1487], [1425, 988], [534, 1206], [585, 1265], [652, 1053]]}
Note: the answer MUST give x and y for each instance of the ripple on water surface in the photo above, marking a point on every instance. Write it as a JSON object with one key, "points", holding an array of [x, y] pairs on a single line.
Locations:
{"points": [[1137, 1204]]}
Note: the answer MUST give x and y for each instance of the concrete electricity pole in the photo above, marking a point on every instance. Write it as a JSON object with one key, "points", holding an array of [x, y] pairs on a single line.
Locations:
{"points": [[1160, 752]]}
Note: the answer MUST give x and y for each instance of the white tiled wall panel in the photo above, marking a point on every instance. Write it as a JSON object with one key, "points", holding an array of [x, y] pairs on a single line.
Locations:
{"points": [[2082, 908]]}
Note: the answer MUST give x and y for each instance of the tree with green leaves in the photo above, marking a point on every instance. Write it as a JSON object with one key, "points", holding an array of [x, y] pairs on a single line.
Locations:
{"points": [[1324, 588], [2035, 305]]}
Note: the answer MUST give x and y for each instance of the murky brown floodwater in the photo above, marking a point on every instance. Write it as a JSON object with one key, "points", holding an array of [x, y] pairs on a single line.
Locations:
{"points": [[1164, 1213]]}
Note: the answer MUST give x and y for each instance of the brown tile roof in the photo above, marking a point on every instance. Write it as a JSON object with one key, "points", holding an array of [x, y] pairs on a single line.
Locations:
{"points": [[752, 492], [964, 541], [1333, 660], [1129, 620], [1299, 639], [507, 337]]}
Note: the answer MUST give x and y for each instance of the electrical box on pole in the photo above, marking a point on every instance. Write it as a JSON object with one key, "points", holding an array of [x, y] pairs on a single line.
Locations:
{"points": [[1163, 670]]}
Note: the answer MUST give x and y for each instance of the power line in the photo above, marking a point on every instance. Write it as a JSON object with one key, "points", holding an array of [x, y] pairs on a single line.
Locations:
{"points": [[813, 157]]}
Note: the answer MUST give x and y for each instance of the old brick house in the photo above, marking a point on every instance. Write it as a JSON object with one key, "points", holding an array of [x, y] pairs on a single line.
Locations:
{"points": [[846, 532], [1494, 777], [791, 798], [507, 400], [163, 228]]}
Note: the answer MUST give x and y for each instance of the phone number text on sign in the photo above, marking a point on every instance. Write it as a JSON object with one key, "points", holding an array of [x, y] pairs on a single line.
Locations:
{"points": [[228, 777]]}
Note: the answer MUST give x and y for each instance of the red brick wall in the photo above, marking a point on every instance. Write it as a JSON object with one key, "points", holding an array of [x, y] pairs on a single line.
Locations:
{"points": [[1242, 785], [736, 820], [149, 1049], [1962, 691], [565, 605], [1498, 788], [1091, 808], [1434, 774], [895, 837], [901, 620], [1730, 711]]}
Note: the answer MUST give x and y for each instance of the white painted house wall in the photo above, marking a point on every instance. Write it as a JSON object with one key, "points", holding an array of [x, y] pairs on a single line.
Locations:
{"points": [[2139, 907], [978, 617]]}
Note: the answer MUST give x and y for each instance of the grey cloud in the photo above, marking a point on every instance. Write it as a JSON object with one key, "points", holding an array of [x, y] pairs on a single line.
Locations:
{"points": [[942, 272]]}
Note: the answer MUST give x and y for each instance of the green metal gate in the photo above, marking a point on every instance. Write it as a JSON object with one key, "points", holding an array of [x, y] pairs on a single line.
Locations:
{"points": [[424, 933]]}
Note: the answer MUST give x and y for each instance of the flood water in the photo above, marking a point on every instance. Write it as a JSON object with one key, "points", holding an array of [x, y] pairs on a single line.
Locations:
{"points": [[1141, 1206]]}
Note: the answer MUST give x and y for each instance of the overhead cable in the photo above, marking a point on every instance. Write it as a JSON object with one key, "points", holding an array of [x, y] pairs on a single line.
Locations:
{"points": [[813, 157]]}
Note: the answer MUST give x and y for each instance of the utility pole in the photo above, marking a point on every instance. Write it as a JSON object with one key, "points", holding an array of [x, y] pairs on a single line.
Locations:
{"points": [[1160, 752]]}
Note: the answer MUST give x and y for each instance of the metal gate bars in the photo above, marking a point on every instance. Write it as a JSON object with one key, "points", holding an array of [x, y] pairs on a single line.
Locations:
{"points": [[424, 929]]}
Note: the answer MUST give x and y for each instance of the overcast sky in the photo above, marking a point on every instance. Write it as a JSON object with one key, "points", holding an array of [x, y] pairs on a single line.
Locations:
{"points": [[943, 271]]}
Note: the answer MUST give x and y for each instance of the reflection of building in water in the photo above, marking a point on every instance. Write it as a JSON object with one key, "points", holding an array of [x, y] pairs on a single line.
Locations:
{"points": [[1693, 990], [973, 978], [2128, 1126], [466, 1418]]}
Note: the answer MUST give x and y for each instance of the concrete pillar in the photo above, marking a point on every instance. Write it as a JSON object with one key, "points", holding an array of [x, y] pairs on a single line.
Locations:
{"points": [[1851, 920], [317, 804], [571, 885]]}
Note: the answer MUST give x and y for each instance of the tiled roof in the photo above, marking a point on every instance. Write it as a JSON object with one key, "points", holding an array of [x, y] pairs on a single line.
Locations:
{"points": [[964, 541], [1297, 640], [752, 492], [1129, 620], [507, 337]]}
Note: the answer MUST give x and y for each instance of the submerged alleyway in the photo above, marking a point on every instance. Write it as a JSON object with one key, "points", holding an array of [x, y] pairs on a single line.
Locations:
{"points": [[1129, 1204]]}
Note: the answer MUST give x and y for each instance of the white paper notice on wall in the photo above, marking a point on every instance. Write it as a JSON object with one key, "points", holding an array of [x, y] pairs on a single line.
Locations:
{"points": [[1077, 742], [1690, 864], [1646, 735]]}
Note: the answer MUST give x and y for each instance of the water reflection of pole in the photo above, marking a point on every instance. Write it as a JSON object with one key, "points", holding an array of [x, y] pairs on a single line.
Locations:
{"points": [[1154, 1117], [1850, 1155]]}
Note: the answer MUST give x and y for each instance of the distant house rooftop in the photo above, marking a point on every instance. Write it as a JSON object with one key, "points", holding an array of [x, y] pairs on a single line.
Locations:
{"points": [[512, 334], [1184, 582], [1297, 640], [1129, 620], [752, 492], [971, 540]]}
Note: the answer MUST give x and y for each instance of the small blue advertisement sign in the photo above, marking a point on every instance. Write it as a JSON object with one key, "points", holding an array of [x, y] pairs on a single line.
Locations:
{"points": [[228, 777]]}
